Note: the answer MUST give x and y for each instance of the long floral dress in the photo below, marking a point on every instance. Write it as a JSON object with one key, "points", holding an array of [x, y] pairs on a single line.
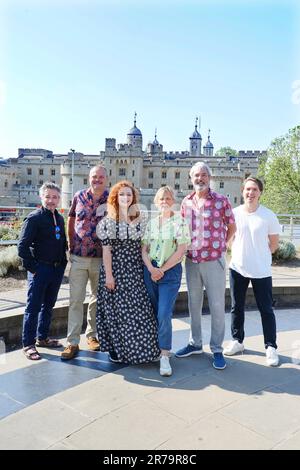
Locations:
{"points": [[125, 318]]}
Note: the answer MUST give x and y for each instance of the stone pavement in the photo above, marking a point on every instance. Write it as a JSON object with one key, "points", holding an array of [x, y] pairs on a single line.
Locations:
{"points": [[88, 403]]}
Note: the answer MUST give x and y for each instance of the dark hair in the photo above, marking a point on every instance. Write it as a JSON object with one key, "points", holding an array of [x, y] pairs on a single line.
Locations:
{"points": [[256, 181]]}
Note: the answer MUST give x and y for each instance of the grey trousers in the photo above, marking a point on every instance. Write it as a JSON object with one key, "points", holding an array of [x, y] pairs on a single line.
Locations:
{"points": [[211, 275]]}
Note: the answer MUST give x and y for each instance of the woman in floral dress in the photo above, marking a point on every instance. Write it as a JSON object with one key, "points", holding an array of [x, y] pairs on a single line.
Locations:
{"points": [[125, 320]]}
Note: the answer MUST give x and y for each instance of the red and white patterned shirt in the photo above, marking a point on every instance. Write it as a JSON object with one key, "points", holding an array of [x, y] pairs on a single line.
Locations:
{"points": [[208, 225]]}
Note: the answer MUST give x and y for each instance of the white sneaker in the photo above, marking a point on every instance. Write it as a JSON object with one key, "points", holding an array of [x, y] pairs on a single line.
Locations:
{"points": [[272, 356], [165, 368], [233, 347]]}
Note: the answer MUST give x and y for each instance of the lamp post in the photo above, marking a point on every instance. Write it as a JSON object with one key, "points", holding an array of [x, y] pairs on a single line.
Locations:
{"points": [[72, 173]]}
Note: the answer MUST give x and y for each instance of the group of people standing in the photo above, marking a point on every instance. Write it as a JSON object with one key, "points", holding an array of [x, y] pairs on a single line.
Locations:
{"points": [[134, 266]]}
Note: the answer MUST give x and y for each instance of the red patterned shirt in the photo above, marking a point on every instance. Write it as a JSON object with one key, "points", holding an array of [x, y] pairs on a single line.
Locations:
{"points": [[87, 211], [208, 225]]}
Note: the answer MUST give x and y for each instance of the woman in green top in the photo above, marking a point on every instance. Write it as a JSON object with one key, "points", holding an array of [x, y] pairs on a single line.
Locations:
{"points": [[164, 245]]}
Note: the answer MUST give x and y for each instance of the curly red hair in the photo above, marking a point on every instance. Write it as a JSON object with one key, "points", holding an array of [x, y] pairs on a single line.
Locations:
{"points": [[113, 203]]}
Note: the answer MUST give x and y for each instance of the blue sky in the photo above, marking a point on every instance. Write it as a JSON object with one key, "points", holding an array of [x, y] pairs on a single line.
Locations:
{"points": [[74, 72]]}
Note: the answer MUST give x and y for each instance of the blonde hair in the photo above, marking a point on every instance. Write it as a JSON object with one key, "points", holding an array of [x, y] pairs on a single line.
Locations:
{"points": [[163, 190]]}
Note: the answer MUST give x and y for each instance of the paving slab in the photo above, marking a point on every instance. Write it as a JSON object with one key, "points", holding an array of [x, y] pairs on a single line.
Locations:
{"points": [[272, 413], [216, 432], [89, 403]]}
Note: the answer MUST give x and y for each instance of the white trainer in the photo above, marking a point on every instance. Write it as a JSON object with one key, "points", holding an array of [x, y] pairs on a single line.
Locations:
{"points": [[233, 347], [272, 357], [165, 368]]}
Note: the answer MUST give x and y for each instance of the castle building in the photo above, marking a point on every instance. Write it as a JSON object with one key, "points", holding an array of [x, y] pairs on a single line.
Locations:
{"points": [[147, 169]]}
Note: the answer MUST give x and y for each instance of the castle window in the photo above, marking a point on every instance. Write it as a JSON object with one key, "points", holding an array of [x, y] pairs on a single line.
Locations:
{"points": [[41, 182], [164, 175], [221, 184], [29, 172], [177, 187], [122, 171], [29, 182], [190, 186], [41, 171], [52, 172], [177, 175], [5, 184], [150, 185], [133, 173], [109, 172], [150, 175], [235, 200], [85, 181]]}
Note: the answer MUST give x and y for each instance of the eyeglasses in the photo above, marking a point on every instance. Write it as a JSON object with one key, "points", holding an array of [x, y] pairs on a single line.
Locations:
{"points": [[57, 232]]}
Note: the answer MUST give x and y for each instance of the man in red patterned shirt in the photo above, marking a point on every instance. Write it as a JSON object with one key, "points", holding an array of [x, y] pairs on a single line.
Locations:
{"points": [[87, 209], [212, 225]]}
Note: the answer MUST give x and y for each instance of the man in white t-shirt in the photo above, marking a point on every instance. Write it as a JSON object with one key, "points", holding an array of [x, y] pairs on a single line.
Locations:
{"points": [[255, 240]]}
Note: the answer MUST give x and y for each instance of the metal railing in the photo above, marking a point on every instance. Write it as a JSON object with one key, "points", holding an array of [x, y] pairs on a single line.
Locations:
{"points": [[290, 223]]}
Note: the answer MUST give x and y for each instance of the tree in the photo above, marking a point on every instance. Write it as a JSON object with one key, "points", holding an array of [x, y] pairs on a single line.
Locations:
{"points": [[280, 171], [224, 151]]}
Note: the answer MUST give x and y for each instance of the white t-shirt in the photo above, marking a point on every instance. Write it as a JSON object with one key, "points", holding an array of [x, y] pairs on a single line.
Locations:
{"points": [[251, 255]]}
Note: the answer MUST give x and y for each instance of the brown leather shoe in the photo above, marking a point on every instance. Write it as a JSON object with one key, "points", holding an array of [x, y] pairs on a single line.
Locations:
{"points": [[93, 344], [69, 352]]}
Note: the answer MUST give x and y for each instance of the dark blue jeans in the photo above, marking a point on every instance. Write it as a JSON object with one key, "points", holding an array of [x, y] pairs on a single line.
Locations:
{"points": [[42, 293], [163, 295], [262, 289]]}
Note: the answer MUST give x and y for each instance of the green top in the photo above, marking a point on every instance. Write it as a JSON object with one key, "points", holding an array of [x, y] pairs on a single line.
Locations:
{"points": [[163, 237]]}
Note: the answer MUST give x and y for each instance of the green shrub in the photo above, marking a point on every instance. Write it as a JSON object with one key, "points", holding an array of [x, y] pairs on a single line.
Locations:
{"points": [[285, 251], [8, 232], [9, 260]]}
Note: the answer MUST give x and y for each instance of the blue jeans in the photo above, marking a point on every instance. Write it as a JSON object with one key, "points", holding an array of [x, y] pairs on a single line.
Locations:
{"points": [[42, 293], [163, 295], [262, 289]]}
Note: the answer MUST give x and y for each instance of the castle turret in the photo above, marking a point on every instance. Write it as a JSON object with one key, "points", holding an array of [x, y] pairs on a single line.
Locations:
{"points": [[195, 142], [208, 148], [134, 136]]}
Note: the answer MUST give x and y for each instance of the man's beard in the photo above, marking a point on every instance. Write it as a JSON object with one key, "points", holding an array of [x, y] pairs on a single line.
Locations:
{"points": [[200, 186]]}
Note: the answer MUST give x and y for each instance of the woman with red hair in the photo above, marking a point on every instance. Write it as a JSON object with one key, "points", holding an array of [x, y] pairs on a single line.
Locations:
{"points": [[125, 319]]}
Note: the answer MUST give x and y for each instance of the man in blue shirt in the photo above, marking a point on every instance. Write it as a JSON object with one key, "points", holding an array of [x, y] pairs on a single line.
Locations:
{"points": [[42, 248]]}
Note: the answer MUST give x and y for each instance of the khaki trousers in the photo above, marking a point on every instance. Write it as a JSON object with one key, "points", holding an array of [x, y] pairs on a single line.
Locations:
{"points": [[83, 269]]}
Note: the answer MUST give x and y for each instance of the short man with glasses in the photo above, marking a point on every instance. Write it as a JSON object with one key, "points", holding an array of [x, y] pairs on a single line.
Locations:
{"points": [[87, 209], [42, 248]]}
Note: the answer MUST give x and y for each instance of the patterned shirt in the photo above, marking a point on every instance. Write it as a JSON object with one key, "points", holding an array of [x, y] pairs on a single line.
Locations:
{"points": [[208, 225], [163, 239], [88, 212]]}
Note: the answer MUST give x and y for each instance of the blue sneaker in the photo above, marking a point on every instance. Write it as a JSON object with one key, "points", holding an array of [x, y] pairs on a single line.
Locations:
{"points": [[219, 361], [188, 351]]}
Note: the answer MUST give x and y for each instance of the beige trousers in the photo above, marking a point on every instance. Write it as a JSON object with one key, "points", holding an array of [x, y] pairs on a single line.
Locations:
{"points": [[83, 269]]}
